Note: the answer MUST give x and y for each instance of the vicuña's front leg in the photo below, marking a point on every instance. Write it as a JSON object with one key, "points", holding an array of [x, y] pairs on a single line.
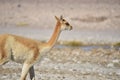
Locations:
{"points": [[32, 73], [25, 69]]}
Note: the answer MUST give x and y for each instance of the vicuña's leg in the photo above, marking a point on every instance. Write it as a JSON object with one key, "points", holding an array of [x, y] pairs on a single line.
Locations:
{"points": [[32, 73], [3, 58], [25, 70], [3, 61]]}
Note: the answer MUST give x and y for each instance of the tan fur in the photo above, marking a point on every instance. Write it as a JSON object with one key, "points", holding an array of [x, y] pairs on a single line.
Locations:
{"points": [[55, 35], [19, 46], [28, 51], [30, 44], [2, 50]]}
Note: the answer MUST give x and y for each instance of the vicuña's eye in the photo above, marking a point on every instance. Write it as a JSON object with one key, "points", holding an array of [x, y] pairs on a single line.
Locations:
{"points": [[67, 24], [63, 20]]}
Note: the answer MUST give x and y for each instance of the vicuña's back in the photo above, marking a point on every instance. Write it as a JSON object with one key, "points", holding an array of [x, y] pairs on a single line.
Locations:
{"points": [[19, 48], [28, 51]]}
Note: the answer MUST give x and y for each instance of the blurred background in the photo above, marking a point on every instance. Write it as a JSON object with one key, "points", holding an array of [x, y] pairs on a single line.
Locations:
{"points": [[93, 21]]}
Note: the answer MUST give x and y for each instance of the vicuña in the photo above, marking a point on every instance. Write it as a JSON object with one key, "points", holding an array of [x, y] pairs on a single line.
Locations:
{"points": [[28, 51]]}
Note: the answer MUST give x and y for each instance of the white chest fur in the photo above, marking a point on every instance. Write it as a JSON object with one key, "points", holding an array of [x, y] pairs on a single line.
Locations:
{"points": [[42, 53]]}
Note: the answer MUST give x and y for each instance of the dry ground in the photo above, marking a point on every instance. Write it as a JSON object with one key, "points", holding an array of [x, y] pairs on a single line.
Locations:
{"points": [[90, 14], [71, 64]]}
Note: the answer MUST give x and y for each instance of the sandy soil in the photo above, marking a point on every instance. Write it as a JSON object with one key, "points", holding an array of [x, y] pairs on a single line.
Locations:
{"points": [[90, 14], [71, 64], [92, 20]]}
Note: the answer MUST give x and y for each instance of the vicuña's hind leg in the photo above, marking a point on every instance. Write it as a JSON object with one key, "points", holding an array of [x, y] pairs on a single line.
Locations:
{"points": [[3, 58], [25, 69], [32, 73], [3, 61]]}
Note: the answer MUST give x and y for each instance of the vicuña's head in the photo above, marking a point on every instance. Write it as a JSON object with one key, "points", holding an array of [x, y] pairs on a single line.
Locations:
{"points": [[63, 23]]}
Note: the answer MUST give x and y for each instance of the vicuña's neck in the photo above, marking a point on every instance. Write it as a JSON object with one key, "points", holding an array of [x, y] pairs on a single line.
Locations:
{"points": [[55, 35]]}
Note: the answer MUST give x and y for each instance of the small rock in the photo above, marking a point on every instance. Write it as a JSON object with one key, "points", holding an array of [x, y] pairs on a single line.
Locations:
{"points": [[118, 73], [110, 65], [115, 61], [63, 77]]}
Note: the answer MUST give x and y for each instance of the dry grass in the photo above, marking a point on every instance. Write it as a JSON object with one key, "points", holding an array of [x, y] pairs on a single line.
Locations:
{"points": [[117, 44], [71, 43], [22, 24]]}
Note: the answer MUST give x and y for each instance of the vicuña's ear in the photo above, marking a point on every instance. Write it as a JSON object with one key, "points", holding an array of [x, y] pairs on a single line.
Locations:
{"points": [[56, 18], [61, 17]]}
